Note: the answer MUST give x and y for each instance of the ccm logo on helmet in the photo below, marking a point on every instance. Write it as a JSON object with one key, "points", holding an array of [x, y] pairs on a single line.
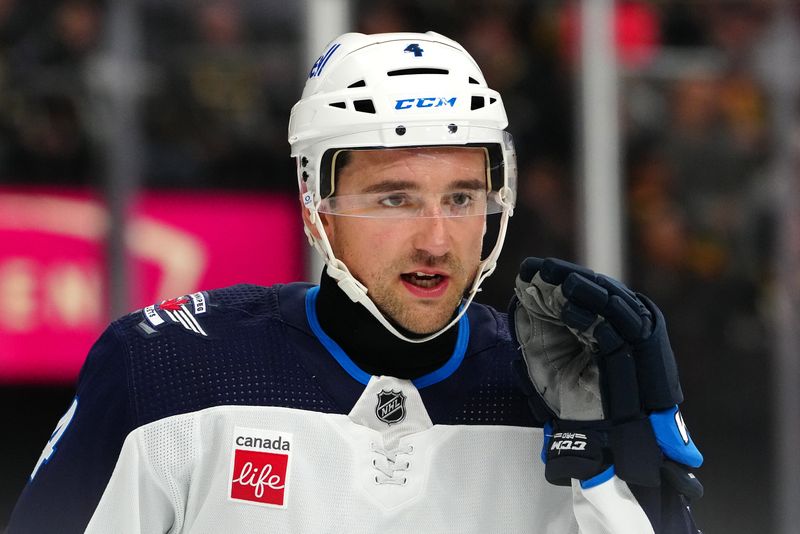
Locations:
{"points": [[424, 102]]}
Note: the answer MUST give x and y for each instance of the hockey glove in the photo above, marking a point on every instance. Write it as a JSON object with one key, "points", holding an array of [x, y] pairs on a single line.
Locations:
{"points": [[603, 375]]}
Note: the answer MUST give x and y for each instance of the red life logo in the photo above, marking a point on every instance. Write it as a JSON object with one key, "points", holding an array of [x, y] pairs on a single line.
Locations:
{"points": [[259, 467], [259, 477]]}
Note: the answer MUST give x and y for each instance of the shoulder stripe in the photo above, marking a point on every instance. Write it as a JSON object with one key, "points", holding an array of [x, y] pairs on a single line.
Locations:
{"points": [[193, 322]]}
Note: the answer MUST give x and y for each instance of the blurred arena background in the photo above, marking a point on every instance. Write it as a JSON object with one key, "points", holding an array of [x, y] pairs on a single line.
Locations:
{"points": [[143, 155]]}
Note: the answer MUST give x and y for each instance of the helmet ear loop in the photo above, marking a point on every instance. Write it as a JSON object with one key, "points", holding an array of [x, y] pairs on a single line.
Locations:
{"points": [[314, 229], [337, 269], [487, 266], [310, 217]]}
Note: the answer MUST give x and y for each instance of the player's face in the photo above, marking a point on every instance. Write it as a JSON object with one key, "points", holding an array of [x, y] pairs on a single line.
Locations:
{"points": [[416, 269]]}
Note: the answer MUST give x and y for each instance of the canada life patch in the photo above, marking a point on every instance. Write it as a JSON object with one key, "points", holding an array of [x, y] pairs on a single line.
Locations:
{"points": [[260, 467]]}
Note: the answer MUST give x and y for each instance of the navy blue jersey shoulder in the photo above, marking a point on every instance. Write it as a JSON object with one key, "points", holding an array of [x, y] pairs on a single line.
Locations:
{"points": [[234, 351]]}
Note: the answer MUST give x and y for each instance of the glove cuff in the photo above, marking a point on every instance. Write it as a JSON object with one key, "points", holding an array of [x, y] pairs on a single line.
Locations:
{"points": [[637, 456], [583, 449], [574, 453]]}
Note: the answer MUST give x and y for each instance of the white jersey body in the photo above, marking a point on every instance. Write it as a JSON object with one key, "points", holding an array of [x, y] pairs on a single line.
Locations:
{"points": [[181, 475]]}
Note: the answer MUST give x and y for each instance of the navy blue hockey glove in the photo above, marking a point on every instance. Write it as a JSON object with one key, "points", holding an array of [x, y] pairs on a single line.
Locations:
{"points": [[602, 374]]}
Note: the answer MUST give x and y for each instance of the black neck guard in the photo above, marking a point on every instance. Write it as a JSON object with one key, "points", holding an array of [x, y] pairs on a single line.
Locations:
{"points": [[370, 345]]}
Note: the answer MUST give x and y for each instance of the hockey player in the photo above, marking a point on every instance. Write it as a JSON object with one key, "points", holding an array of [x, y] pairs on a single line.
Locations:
{"points": [[382, 400]]}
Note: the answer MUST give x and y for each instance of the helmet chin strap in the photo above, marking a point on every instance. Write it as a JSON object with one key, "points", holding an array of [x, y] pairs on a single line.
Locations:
{"points": [[357, 292]]}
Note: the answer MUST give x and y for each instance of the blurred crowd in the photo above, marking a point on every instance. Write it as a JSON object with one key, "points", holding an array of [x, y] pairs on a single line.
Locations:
{"points": [[215, 81], [218, 78]]}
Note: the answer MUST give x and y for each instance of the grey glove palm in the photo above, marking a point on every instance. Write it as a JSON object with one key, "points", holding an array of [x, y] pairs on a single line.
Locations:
{"points": [[559, 358]]}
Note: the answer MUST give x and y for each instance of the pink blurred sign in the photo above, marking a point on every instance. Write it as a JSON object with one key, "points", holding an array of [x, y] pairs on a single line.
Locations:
{"points": [[53, 294]]}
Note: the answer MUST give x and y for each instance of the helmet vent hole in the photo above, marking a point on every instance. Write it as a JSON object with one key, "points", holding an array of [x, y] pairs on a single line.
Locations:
{"points": [[473, 81], [359, 83], [340, 105], [477, 103], [364, 106], [492, 100], [407, 72]]}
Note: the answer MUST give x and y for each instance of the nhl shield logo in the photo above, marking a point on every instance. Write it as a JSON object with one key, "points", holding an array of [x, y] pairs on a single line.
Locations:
{"points": [[391, 406]]}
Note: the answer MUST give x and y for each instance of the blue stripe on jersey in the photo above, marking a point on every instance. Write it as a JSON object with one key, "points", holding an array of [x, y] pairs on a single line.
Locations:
{"points": [[333, 347], [455, 360], [362, 376]]}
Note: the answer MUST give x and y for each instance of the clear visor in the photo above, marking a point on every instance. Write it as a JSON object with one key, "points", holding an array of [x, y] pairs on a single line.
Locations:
{"points": [[415, 182], [404, 204]]}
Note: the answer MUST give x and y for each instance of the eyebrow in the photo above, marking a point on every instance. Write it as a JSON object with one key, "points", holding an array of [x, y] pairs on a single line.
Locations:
{"points": [[387, 186], [474, 184]]}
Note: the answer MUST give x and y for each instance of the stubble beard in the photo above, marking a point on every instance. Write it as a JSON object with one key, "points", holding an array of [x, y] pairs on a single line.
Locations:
{"points": [[420, 317]]}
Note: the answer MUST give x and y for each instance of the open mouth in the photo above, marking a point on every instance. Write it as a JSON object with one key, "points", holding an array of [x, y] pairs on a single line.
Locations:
{"points": [[423, 280]]}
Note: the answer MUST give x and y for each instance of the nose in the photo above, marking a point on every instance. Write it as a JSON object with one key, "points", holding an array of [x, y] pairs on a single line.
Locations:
{"points": [[431, 235]]}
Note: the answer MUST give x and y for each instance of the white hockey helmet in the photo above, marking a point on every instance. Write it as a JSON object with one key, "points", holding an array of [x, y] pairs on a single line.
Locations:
{"points": [[396, 90]]}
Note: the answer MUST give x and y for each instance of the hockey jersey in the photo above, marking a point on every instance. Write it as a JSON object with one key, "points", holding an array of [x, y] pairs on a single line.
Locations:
{"points": [[233, 411]]}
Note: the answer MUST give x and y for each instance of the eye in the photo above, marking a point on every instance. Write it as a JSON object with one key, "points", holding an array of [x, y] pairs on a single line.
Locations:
{"points": [[461, 199], [394, 200]]}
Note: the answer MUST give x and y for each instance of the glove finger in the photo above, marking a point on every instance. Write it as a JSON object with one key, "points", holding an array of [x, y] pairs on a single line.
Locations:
{"points": [[576, 317], [555, 271], [655, 363], [607, 338], [607, 297], [529, 267], [603, 337], [585, 293], [625, 320], [614, 287]]}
